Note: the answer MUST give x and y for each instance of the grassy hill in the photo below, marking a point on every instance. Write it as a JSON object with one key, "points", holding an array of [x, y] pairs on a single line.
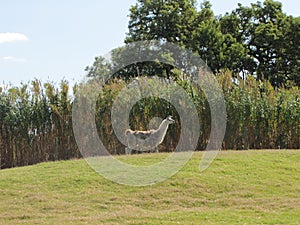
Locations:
{"points": [[252, 187]]}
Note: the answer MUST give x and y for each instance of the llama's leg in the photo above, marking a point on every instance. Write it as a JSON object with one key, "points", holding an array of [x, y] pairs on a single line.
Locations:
{"points": [[152, 150], [127, 151], [156, 149]]}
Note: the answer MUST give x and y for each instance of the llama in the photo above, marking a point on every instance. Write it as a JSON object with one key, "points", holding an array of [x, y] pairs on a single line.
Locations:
{"points": [[147, 140]]}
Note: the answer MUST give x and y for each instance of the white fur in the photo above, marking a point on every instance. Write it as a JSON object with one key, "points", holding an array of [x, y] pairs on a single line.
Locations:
{"points": [[147, 140]]}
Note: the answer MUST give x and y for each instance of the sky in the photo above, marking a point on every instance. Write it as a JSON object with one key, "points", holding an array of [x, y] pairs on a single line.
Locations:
{"points": [[53, 40]]}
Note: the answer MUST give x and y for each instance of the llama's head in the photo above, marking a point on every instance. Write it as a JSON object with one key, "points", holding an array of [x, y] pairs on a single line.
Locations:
{"points": [[170, 120]]}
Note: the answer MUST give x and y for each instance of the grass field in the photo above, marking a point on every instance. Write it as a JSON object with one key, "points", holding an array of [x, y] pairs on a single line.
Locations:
{"points": [[250, 187]]}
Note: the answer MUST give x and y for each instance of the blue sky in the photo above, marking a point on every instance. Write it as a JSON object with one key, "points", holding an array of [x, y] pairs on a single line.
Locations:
{"points": [[55, 40]]}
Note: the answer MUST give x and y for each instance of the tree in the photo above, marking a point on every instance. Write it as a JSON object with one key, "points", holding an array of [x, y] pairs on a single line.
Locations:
{"points": [[257, 40], [219, 50], [99, 69], [179, 22], [166, 20], [269, 36]]}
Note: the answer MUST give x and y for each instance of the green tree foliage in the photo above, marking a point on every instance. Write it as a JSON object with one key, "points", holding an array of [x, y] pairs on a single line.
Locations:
{"points": [[258, 40], [99, 69], [166, 20], [219, 50], [269, 36]]}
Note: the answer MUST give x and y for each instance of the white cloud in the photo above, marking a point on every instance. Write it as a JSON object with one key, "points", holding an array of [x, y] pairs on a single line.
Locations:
{"points": [[12, 37], [13, 59]]}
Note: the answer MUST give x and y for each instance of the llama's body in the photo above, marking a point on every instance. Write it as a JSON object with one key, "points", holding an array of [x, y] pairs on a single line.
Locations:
{"points": [[147, 140]]}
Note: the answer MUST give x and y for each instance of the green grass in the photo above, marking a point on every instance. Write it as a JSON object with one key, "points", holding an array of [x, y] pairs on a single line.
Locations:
{"points": [[252, 187]]}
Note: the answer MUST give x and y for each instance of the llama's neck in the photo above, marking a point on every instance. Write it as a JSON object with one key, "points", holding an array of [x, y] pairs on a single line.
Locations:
{"points": [[162, 129]]}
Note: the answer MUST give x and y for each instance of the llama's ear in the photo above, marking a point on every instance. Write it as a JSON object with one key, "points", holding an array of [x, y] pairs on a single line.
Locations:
{"points": [[169, 118]]}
